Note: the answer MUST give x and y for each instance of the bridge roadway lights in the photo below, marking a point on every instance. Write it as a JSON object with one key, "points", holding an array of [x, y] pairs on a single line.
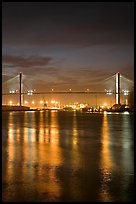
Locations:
{"points": [[64, 92]]}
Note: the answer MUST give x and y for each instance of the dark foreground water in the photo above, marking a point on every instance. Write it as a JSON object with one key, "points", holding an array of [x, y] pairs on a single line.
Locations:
{"points": [[67, 156]]}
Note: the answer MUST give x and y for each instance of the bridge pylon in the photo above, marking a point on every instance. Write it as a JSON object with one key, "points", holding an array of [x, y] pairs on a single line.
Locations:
{"points": [[117, 88], [20, 93]]}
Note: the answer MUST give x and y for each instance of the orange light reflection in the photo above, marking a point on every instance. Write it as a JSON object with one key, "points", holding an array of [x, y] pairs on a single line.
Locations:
{"points": [[106, 163]]}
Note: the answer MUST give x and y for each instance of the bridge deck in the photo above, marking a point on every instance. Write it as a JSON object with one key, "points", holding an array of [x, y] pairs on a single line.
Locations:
{"points": [[61, 92]]}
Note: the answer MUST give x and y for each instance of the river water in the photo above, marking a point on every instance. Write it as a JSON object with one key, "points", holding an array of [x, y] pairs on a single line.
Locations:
{"points": [[67, 156]]}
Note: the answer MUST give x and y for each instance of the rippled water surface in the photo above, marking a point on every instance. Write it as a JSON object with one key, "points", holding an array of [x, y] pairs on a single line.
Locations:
{"points": [[67, 156]]}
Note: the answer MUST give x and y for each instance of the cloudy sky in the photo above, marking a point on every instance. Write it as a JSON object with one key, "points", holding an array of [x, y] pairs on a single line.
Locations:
{"points": [[67, 45]]}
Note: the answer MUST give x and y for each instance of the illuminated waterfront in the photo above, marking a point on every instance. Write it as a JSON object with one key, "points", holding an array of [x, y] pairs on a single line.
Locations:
{"points": [[67, 156]]}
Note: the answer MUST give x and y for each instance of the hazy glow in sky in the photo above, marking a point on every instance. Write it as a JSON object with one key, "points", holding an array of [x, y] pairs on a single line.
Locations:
{"points": [[64, 45]]}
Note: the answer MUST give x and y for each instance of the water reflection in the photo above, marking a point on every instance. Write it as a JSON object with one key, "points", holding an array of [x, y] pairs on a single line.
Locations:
{"points": [[117, 158], [75, 131], [10, 148], [58, 156], [127, 156], [33, 154], [106, 161]]}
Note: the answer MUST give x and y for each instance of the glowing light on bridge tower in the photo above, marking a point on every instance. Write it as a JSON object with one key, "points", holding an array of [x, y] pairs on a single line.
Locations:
{"points": [[117, 90]]}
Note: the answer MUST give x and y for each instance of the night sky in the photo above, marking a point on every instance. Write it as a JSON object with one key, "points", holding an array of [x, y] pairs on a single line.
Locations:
{"points": [[67, 45]]}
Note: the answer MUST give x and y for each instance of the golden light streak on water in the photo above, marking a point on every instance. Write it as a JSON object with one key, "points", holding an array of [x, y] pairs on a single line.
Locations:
{"points": [[106, 160]]}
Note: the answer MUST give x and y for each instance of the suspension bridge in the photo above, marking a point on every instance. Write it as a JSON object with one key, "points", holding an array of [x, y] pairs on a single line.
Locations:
{"points": [[19, 85]]}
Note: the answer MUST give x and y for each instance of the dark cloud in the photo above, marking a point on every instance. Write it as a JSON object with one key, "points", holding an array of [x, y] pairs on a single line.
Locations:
{"points": [[25, 62]]}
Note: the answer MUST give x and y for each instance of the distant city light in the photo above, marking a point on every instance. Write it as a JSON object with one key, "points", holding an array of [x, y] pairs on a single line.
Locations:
{"points": [[10, 102], [126, 112], [73, 106], [82, 105]]}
